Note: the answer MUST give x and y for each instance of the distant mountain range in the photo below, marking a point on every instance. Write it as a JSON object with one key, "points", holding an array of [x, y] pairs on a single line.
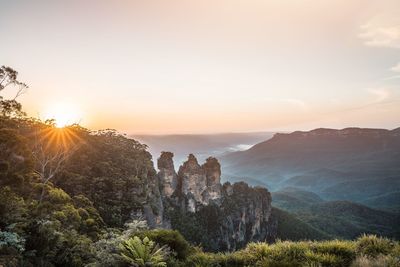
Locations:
{"points": [[355, 164]]}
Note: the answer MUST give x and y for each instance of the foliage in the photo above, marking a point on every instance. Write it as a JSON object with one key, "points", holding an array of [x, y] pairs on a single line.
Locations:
{"points": [[144, 252], [10, 107], [330, 219], [171, 238], [61, 220], [292, 228], [8, 76], [58, 231], [379, 261], [112, 171], [105, 249], [338, 253], [371, 245], [11, 240], [190, 226]]}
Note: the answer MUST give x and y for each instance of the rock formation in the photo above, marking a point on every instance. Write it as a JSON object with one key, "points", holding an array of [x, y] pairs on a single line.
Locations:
{"points": [[199, 184], [227, 217], [212, 170], [167, 176]]}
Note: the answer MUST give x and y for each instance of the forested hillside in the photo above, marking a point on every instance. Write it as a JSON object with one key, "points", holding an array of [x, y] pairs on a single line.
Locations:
{"points": [[337, 219], [61, 188]]}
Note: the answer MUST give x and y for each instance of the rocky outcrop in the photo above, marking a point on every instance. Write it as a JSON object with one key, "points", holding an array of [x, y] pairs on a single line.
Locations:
{"points": [[168, 179], [227, 217], [199, 184], [193, 182], [212, 170]]}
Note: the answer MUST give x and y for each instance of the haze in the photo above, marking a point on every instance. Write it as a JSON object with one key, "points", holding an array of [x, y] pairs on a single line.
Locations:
{"points": [[208, 66]]}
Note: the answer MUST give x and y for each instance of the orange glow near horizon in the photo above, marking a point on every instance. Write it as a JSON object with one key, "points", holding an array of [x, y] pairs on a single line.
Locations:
{"points": [[211, 66]]}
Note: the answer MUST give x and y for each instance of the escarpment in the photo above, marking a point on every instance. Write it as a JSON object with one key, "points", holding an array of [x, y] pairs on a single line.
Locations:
{"points": [[220, 217]]}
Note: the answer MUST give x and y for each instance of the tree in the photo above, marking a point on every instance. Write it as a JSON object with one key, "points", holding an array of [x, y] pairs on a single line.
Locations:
{"points": [[52, 147], [8, 76], [10, 107]]}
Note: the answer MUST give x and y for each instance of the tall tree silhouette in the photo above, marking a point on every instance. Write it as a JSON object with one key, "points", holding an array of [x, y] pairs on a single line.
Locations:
{"points": [[10, 107]]}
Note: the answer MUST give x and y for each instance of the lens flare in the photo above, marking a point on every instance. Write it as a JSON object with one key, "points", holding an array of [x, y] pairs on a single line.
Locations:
{"points": [[64, 114]]}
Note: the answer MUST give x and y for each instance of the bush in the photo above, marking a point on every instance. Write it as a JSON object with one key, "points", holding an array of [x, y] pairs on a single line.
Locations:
{"points": [[279, 254], [371, 245], [379, 261], [343, 250], [203, 259], [144, 252], [322, 259], [12, 240], [173, 239], [258, 250], [287, 253]]}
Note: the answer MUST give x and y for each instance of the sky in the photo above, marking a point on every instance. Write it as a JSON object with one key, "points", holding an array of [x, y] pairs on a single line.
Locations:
{"points": [[206, 66]]}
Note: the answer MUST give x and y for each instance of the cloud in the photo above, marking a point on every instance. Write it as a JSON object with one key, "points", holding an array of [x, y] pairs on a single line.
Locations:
{"points": [[380, 94], [395, 77], [240, 147], [382, 31], [396, 68], [295, 102]]}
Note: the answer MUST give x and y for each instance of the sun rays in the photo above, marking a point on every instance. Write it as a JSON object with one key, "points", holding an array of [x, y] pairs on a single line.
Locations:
{"points": [[54, 137]]}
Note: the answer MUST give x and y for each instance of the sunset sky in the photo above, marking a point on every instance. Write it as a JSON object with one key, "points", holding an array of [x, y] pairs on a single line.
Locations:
{"points": [[207, 66]]}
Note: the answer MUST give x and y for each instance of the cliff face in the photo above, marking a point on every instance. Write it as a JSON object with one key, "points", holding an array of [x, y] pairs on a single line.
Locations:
{"points": [[246, 215], [227, 217]]}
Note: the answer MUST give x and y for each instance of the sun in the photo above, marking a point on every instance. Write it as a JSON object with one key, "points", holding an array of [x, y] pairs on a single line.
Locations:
{"points": [[64, 114]]}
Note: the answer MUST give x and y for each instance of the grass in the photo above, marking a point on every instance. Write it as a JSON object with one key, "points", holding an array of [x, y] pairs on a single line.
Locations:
{"points": [[367, 250]]}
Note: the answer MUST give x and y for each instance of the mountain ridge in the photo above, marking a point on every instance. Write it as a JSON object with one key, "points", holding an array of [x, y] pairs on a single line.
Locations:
{"points": [[322, 158]]}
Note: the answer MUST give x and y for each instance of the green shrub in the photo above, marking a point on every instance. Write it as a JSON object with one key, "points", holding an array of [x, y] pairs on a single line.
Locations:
{"points": [[325, 253], [396, 251], [289, 251], [234, 259], [371, 245], [172, 238], [279, 254], [143, 253], [258, 250], [201, 259], [378, 261], [366, 251], [322, 259], [343, 250]]}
